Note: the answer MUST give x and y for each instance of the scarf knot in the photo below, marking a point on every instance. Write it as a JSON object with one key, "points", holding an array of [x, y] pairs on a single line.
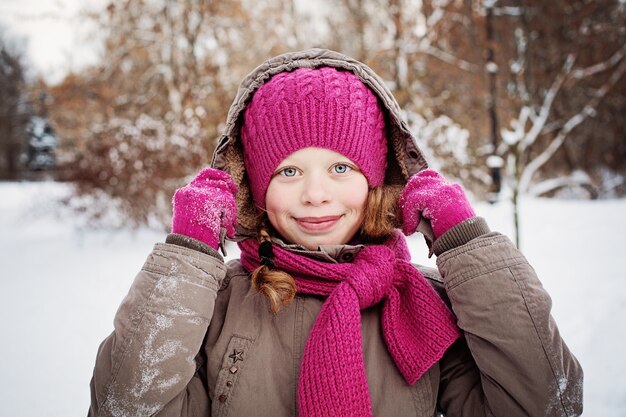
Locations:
{"points": [[372, 276]]}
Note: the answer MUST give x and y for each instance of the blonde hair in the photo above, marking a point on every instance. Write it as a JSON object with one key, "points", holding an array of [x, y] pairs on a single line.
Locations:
{"points": [[379, 222], [381, 213]]}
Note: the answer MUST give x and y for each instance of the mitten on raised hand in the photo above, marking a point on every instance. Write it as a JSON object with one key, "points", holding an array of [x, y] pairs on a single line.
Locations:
{"points": [[205, 206], [427, 194]]}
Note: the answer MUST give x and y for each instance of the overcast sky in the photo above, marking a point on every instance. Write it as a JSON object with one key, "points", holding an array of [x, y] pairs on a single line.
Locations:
{"points": [[55, 37]]}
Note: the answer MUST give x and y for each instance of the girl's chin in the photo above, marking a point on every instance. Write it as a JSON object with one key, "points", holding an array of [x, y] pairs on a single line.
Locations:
{"points": [[313, 243]]}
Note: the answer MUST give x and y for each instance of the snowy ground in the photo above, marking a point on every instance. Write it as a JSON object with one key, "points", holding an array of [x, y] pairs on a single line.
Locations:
{"points": [[61, 284]]}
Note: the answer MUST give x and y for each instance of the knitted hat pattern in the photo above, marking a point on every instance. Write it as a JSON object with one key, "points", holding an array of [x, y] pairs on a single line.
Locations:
{"points": [[323, 107]]}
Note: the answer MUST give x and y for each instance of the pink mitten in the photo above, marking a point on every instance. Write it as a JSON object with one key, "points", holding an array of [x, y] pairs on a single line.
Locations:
{"points": [[205, 206], [428, 194]]}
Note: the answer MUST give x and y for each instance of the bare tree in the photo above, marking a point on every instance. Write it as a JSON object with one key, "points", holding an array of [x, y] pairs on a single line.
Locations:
{"points": [[520, 146]]}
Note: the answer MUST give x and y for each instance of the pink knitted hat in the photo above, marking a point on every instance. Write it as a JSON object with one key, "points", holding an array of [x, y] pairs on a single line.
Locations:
{"points": [[325, 108]]}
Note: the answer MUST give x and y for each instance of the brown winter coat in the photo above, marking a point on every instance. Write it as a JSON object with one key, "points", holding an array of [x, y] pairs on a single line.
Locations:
{"points": [[193, 338]]}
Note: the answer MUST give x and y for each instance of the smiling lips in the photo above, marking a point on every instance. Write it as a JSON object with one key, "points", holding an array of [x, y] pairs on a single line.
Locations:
{"points": [[317, 224]]}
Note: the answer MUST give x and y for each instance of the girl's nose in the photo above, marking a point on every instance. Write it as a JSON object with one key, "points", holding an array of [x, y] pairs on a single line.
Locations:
{"points": [[315, 191]]}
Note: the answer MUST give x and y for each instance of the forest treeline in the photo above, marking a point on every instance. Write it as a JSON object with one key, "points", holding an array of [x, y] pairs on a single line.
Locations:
{"points": [[524, 97]]}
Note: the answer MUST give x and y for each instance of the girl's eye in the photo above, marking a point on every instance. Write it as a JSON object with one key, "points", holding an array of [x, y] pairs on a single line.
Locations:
{"points": [[288, 172], [341, 168]]}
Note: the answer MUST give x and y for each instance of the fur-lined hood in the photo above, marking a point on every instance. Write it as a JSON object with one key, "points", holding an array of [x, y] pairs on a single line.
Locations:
{"points": [[404, 156]]}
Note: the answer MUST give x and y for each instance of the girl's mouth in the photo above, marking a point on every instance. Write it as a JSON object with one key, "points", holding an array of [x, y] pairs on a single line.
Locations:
{"points": [[317, 224]]}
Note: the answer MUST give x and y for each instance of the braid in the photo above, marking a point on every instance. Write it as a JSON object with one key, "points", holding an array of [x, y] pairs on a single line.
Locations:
{"points": [[278, 286]]}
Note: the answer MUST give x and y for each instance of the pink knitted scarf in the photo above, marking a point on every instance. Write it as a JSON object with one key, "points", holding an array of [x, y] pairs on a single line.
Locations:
{"points": [[417, 325]]}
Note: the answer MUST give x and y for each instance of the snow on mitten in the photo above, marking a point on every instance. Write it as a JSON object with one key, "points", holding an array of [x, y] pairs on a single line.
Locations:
{"points": [[205, 206], [427, 194]]}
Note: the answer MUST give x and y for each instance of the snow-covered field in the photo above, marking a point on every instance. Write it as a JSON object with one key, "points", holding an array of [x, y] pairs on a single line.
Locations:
{"points": [[60, 285]]}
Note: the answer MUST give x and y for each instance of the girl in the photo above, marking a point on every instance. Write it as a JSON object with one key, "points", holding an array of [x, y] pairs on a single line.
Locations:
{"points": [[324, 315]]}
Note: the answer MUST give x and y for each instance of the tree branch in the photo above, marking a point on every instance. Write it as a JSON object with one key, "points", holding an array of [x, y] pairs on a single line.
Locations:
{"points": [[580, 73], [546, 107], [426, 48], [572, 122]]}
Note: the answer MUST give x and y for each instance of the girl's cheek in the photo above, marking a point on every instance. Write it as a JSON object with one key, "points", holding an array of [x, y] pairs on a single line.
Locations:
{"points": [[356, 196]]}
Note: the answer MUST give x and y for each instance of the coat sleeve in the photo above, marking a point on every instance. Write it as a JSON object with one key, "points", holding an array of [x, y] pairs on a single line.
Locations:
{"points": [[511, 360], [151, 365]]}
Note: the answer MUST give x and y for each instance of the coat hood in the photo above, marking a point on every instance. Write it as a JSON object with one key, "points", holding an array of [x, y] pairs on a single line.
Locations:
{"points": [[404, 156]]}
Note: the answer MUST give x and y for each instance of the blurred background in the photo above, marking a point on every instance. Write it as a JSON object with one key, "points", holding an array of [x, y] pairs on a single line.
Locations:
{"points": [[106, 107], [525, 95]]}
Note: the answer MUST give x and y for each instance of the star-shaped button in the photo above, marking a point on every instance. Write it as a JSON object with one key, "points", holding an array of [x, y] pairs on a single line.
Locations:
{"points": [[237, 355]]}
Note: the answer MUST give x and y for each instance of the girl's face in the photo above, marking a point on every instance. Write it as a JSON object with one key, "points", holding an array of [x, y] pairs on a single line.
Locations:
{"points": [[316, 197]]}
